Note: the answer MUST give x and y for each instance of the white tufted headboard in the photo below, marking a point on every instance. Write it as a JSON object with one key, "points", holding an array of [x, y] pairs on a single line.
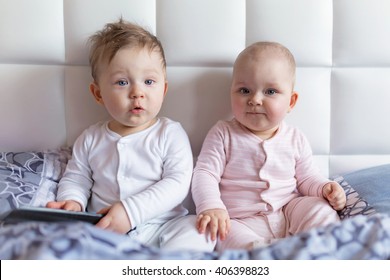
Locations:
{"points": [[342, 48]]}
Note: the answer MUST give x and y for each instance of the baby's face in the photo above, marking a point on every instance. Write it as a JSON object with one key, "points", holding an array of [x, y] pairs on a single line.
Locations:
{"points": [[132, 88], [262, 93]]}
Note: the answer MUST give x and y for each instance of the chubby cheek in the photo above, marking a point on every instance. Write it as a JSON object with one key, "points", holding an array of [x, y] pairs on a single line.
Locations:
{"points": [[278, 112], [156, 102], [114, 106], [238, 107]]}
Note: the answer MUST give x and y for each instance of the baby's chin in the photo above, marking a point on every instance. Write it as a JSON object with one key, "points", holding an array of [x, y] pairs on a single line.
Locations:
{"points": [[130, 127], [262, 132]]}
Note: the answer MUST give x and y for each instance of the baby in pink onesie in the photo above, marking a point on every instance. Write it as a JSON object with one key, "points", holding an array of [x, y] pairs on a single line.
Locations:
{"points": [[255, 181]]}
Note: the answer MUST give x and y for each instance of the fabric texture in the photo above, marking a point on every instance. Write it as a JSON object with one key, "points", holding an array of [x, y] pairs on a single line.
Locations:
{"points": [[361, 237], [356, 204], [233, 160], [151, 167], [31, 178], [372, 184], [248, 176]]}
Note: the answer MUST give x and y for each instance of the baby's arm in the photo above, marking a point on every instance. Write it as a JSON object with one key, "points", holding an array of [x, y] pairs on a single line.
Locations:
{"points": [[74, 187], [115, 218], [312, 183], [335, 195], [210, 166], [217, 220], [69, 205]]}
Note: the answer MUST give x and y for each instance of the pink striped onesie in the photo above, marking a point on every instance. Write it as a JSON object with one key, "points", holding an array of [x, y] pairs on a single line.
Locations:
{"points": [[271, 189]]}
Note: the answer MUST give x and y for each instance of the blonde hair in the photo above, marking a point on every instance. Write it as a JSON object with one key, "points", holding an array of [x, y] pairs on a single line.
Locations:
{"points": [[104, 44]]}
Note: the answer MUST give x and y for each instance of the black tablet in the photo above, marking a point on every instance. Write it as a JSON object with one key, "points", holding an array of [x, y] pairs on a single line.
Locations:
{"points": [[42, 214]]}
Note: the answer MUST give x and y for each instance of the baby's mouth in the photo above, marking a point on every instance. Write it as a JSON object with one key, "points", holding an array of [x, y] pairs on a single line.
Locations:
{"points": [[137, 110], [255, 113]]}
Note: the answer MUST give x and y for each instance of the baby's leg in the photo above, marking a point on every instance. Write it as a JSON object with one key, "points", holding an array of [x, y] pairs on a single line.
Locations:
{"points": [[146, 234], [247, 233], [304, 213], [181, 234]]}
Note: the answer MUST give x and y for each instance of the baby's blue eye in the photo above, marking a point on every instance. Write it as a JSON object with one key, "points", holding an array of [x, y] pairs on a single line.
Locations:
{"points": [[270, 92], [122, 83], [244, 90], [149, 82]]}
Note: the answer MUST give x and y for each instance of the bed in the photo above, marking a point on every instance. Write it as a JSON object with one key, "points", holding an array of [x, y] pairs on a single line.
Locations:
{"points": [[342, 77], [30, 179]]}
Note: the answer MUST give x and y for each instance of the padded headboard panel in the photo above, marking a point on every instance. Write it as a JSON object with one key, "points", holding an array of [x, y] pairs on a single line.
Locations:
{"points": [[342, 48]]}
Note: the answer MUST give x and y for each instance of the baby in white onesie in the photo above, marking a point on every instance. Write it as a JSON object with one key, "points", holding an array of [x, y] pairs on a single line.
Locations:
{"points": [[135, 168]]}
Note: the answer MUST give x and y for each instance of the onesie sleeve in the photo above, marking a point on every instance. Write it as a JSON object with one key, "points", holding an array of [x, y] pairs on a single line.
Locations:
{"points": [[309, 179], [208, 171], [76, 182]]}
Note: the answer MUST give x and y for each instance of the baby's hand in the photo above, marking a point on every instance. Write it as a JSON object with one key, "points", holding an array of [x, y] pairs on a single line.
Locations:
{"points": [[335, 195], [217, 220], [69, 205], [115, 218]]}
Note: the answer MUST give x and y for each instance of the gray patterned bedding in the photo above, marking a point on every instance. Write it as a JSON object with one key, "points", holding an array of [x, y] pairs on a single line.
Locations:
{"points": [[30, 179]]}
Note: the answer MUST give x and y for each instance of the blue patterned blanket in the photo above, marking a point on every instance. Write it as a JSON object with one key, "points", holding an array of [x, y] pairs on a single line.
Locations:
{"points": [[31, 179], [361, 237]]}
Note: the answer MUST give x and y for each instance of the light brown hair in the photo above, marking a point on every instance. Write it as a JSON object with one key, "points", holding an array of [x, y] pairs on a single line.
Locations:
{"points": [[104, 44]]}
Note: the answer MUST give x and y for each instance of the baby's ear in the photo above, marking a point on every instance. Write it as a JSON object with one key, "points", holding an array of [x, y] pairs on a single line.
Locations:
{"points": [[293, 100], [166, 88], [95, 90]]}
